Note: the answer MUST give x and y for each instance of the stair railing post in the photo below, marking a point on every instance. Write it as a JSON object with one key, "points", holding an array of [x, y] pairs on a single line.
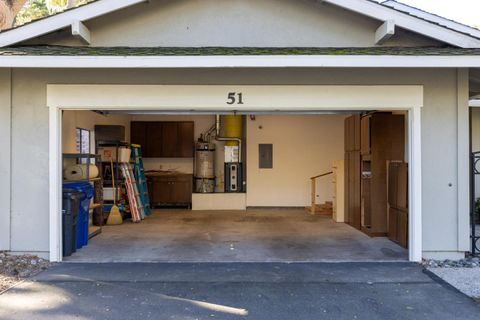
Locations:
{"points": [[313, 195]]}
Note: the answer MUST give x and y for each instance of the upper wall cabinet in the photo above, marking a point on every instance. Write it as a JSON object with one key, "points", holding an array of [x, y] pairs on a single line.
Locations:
{"points": [[164, 139]]}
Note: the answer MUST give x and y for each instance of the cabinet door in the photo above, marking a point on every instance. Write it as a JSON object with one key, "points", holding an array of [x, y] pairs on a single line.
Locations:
{"points": [[185, 140], [402, 233], [154, 139], [365, 135], [393, 224], [348, 134], [161, 191], [138, 134], [356, 132], [169, 139], [182, 191]]}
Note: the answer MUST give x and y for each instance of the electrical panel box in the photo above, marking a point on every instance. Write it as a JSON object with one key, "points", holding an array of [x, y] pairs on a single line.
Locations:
{"points": [[265, 156]]}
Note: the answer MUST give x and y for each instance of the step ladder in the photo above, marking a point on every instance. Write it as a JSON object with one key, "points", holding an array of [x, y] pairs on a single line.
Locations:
{"points": [[139, 173], [136, 207]]}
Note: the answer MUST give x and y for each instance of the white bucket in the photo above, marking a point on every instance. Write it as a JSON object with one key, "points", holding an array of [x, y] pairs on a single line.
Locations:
{"points": [[79, 172]]}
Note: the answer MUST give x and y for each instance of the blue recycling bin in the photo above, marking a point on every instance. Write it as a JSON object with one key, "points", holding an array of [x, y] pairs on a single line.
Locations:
{"points": [[82, 225]]}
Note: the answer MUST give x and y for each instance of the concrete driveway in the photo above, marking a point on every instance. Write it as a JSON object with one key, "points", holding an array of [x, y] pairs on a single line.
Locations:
{"points": [[236, 291]]}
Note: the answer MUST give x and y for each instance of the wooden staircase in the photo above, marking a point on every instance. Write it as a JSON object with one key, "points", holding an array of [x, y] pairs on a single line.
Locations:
{"points": [[325, 209]]}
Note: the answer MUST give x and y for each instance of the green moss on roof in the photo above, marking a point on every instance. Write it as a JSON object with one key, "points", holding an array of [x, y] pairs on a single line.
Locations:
{"points": [[228, 51]]}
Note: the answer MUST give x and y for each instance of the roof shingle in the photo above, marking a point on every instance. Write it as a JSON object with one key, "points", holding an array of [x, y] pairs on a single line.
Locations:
{"points": [[231, 51]]}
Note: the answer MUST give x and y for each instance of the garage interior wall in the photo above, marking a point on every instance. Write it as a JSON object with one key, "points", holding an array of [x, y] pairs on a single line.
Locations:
{"points": [[5, 159], [303, 146], [87, 120]]}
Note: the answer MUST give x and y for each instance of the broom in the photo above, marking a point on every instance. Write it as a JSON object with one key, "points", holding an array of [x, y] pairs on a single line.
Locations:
{"points": [[114, 218]]}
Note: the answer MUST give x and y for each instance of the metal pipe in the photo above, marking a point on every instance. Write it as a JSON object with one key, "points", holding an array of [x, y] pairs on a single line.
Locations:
{"points": [[219, 138]]}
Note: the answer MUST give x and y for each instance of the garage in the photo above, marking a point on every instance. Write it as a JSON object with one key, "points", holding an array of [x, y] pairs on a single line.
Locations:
{"points": [[241, 186]]}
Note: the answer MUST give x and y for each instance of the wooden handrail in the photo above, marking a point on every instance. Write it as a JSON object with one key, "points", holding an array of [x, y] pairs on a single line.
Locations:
{"points": [[314, 191], [322, 175]]}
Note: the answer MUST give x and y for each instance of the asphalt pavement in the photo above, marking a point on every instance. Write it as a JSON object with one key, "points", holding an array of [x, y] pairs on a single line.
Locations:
{"points": [[236, 291]]}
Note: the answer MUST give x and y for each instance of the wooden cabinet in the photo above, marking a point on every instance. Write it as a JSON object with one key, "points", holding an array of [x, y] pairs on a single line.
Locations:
{"points": [[385, 141], [161, 139], [186, 145], [398, 203], [370, 141], [170, 190], [169, 140], [138, 133], [352, 171]]}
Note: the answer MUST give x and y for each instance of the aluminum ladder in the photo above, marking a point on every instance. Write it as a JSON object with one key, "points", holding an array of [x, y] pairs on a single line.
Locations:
{"points": [[140, 178]]}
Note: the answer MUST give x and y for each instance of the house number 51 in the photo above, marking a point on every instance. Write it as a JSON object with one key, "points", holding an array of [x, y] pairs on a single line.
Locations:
{"points": [[235, 98]]}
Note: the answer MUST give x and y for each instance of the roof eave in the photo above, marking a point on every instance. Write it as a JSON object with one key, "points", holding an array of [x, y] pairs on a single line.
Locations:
{"points": [[260, 61]]}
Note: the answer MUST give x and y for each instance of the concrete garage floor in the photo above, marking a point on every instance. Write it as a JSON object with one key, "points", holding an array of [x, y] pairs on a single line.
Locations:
{"points": [[337, 291], [264, 235]]}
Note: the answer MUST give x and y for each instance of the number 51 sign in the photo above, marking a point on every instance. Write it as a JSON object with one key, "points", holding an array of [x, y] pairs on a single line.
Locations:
{"points": [[235, 98]]}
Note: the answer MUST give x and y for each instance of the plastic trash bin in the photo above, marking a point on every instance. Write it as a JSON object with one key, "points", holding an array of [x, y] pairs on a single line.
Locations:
{"points": [[70, 206], [82, 225]]}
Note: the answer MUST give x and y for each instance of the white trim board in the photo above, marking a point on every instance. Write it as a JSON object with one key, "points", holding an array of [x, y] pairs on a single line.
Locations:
{"points": [[267, 61], [215, 97], [59, 100], [363, 7]]}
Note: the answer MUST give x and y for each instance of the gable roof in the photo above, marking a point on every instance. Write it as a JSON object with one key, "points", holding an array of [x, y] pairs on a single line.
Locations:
{"points": [[406, 19]]}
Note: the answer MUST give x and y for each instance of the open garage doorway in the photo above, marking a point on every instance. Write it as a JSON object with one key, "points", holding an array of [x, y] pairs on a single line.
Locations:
{"points": [[275, 200], [256, 187]]}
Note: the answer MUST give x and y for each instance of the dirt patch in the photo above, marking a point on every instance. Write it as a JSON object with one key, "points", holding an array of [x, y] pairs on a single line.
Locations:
{"points": [[15, 268]]}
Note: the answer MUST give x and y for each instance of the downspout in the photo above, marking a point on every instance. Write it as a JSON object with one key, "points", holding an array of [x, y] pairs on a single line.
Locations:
{"points": [[219, 138]]}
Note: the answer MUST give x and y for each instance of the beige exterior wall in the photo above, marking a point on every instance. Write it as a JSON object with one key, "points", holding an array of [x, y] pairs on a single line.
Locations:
{"points": [[441, 228], [236, 23], [5, 147], [303, 146]]}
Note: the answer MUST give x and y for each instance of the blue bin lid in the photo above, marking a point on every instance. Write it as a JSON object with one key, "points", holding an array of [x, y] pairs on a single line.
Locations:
{"points": [[84, 187]]}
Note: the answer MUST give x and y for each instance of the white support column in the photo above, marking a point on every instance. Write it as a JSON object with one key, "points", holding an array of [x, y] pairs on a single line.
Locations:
{"points": [[463, 160], [415, 239], [81, 31], [55, 182], [385, 32]]}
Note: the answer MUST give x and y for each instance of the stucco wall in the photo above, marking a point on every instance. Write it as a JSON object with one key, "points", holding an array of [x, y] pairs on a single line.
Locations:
{"points": [[439, 136], [303, 146], [5, 126], [236, 23]]}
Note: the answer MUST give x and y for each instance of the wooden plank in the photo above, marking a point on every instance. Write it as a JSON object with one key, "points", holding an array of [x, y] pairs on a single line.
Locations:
{"points": [[313, 195]]}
